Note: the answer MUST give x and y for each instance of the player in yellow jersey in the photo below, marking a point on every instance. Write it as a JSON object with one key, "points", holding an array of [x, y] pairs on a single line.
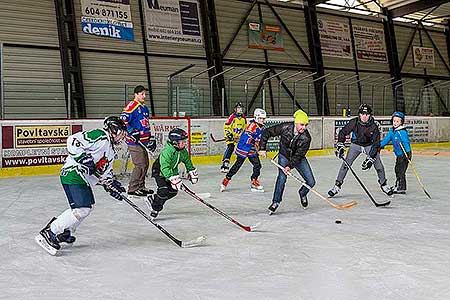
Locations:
{"points": [[232, 130]]}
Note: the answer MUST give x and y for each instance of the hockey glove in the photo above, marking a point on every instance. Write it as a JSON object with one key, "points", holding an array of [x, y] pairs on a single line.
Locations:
{"points": [[340, 150], [367, 163], [151, 145], [135, 135], [229, 137], [87, 164], [176, 182], [193, 176], [114, 188]]}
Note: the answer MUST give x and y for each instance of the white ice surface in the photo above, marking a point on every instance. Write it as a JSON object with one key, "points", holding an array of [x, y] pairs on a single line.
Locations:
{"points": [[401, 252]]}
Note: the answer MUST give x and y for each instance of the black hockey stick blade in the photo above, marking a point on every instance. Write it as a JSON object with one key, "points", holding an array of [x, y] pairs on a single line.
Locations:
{"points": [[364, 187], [180, 243], [216, 141]]}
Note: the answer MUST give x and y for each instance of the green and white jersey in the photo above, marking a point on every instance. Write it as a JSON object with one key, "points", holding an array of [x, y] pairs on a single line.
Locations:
{"points": [[95, 142]]}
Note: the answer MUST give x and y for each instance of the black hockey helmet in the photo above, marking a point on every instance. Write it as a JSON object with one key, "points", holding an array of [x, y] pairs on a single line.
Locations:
{"points": [[239, 105], [116, 128], [176, 135], [365, 109]]}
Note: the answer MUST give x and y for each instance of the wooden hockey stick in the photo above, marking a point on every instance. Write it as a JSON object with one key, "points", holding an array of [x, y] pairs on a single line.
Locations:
{"points": [[343, 206], [415, 172]]}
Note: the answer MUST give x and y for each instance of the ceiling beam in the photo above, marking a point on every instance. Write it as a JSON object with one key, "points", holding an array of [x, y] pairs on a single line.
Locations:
{"points": [[415, 7], [315, 2]]}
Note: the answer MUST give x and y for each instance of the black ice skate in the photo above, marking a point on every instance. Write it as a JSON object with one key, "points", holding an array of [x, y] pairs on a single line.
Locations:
{"points": [[139, 193], [149, 203], [396, 190], [335, 189], [66, 237], [225, 167], [47, 240], [273, 207], [304, 201]]}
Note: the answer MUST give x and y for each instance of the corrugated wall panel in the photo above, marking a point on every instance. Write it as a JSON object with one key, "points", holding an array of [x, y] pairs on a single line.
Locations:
{"points": [[161, 67], [23, 21], [439, 40], [33, 86], [229, 14], [105, 76]]}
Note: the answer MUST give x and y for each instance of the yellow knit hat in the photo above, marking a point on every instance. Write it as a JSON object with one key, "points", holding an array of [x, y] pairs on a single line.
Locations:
{"points": [[301, 117]]}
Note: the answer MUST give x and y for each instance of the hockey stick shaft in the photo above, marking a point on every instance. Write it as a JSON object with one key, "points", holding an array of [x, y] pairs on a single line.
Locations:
{"points": [[216, 140], [142, 213], [415, 172], [218, 211], [343, 206], [363, 186]]}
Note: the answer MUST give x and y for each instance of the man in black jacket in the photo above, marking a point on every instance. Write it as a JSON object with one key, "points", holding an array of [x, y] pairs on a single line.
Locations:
{"points": [[294, 143], [365, 137]]}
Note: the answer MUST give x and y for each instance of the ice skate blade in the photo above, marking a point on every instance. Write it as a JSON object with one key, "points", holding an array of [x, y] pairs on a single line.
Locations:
{"points": [[43, 243]]}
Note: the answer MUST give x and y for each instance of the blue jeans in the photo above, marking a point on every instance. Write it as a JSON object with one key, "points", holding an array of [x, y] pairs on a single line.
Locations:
{"points": [[305, 171]]}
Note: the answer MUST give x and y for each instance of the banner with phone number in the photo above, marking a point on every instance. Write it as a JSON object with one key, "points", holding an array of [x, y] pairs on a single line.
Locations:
{"points": [[107, 18]]}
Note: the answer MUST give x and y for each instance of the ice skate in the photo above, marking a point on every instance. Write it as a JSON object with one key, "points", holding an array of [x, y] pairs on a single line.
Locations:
{"points": [[149, 202], [387, 190], [66, 237], [256, 186], [273, 207], [224, 184], [396, 190], [304, 202], [334, 190], [225, 167], [48, 240]]}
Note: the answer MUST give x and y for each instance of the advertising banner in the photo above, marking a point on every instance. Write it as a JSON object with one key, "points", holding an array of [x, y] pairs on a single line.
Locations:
{"points": [[262, 36], [173, 21], [35, 145], [335, 39], [369, 42], [107, 18], [423, 57]]}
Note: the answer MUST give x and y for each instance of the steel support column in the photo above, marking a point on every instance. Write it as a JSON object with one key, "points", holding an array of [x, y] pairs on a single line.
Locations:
{"points": [[392, 53], [315, 51]]}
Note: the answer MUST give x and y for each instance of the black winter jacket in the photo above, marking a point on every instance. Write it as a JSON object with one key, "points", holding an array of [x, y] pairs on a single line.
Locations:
{"points": [[362, 134], [292, 147]]}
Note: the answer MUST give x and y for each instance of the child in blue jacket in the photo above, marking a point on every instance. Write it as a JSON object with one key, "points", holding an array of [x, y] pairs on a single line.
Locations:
{"points": [[248, 147], [399, 137]]}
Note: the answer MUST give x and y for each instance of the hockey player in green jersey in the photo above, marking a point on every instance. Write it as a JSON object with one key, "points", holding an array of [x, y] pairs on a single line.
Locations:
{"points": [[165, 170], [90, 160]]}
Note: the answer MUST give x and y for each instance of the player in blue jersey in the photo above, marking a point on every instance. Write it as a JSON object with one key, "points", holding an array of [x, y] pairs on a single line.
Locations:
{"points": [[136, 117]]}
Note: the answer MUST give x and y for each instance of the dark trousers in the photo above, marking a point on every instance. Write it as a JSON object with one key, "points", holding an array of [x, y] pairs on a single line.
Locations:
{"points": [[139, 157], [401, 165], [254, 160], [163, 193], [228, 152]]}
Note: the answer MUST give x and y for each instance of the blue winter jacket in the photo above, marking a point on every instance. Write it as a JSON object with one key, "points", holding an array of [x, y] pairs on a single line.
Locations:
{"points": [[397, 136]]}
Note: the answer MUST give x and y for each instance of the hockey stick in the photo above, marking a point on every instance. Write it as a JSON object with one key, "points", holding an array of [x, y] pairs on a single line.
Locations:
{"points": [[180, 243], [363, 186], [218, 140], [415, 172], [343, 206], [196, 197]]}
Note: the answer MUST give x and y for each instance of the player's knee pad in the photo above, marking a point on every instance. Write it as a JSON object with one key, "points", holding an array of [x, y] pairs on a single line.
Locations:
{"points": [[81, 213]]}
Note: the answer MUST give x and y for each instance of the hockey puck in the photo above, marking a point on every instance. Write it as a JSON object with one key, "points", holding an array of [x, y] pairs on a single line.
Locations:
{"points": [[338, 221]]}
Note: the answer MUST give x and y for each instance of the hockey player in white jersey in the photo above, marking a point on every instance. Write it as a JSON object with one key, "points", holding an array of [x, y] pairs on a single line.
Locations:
{"points": [[90, 160]]}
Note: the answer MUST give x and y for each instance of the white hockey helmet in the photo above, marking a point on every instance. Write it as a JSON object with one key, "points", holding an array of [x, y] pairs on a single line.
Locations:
{"points": [[259, 113]]}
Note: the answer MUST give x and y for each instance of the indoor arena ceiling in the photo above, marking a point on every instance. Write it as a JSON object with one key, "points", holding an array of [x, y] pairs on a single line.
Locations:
{"points": [[429, 12]]}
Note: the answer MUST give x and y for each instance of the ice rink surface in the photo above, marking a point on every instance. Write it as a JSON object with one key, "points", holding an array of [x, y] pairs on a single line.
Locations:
{"points": [[400, 252]]}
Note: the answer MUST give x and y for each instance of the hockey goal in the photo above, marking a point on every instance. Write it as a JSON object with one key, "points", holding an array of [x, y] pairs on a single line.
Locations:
{"points": [[160, 128]]}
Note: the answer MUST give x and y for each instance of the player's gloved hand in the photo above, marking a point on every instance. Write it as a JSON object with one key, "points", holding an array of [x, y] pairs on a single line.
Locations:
{"points": [[151, 144], [87, 164], [135, 135], [114, 188], [193, 176], [367, 163], [176, 182], [229, 136], [340, 150]]}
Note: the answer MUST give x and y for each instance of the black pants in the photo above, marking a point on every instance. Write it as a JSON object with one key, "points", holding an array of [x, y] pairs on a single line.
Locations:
{"points": [[163, 193], [228, 152], [401, 165], [254, 160]]}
